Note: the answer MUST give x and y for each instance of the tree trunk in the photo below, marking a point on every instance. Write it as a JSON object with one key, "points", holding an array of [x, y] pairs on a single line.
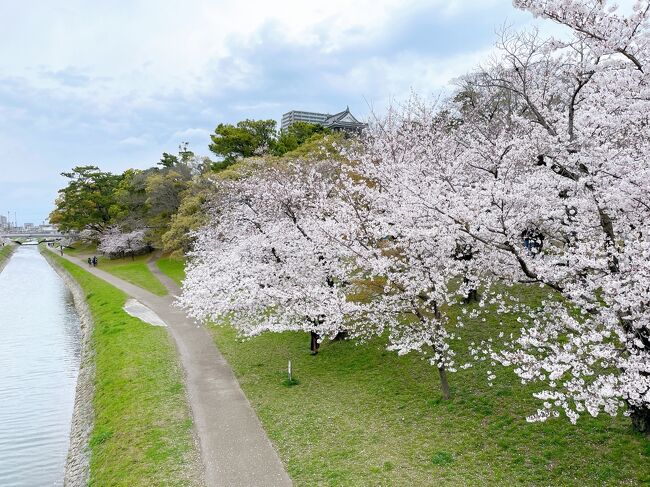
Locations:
{"points": [[314, 343], [640, 415], [640, 419], [341, 335], [444, 385], [472, 296]]}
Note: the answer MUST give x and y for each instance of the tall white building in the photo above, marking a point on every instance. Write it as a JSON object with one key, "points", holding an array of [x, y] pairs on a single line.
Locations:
{"points": [[294, 116]]}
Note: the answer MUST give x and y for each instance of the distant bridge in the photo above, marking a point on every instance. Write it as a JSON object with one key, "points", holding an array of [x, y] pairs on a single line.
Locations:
{"points": [[31, 235], [40, 236]]}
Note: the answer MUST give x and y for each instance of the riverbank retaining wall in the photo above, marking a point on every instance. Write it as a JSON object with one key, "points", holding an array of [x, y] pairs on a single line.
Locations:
{"points": [[77, 468]]}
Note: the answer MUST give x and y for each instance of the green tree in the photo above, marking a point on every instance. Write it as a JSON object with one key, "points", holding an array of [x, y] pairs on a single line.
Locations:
{"points": [[246, 139], [322, 146], [185, 156], [87, 201], [189, 217], [130, 205], [163, 197], [163, 191], [295, 135], [168, 160]]}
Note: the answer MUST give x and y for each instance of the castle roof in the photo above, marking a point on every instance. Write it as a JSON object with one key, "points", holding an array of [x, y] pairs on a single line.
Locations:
{"points": [[343, 120]]}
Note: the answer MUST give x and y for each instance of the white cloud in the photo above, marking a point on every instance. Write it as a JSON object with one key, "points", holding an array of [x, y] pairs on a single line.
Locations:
{"points": [[144, 46], [116, 83], [399, 76], [249, 107], [191, 133], [198, 138], [134, 141]]}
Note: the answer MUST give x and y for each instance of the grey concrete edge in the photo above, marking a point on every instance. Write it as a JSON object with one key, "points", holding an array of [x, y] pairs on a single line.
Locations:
{"points": [[77, 467]]}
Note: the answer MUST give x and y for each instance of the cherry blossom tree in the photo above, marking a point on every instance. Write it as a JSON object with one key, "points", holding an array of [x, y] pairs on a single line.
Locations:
{"points": [[538, 170], [404, 258], [117, 243], [536, 173], [555, 192], [263, 263], [541, 166], [89, 235]]}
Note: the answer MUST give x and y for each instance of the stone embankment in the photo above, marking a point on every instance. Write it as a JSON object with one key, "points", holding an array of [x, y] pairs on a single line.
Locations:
{"points": [[77, 468]]}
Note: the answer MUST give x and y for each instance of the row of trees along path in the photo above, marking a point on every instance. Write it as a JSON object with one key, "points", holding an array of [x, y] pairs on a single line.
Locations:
{"points": [[534, 174]]}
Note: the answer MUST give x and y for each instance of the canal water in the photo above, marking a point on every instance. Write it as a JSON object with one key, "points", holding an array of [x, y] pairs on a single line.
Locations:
{"points": [[39, 362]]}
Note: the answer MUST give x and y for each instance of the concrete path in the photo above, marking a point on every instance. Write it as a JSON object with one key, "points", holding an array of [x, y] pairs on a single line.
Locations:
{"points": [[234, 446]]}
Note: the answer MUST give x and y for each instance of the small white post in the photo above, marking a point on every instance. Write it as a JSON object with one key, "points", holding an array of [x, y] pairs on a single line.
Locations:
{"points": [[289, 371]]}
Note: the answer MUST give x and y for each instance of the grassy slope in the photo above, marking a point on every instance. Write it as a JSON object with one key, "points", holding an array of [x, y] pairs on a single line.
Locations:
{"points": [[363, 416], [80, 248], [143, 430], [134, 271], [173, 268], [5, 251]]}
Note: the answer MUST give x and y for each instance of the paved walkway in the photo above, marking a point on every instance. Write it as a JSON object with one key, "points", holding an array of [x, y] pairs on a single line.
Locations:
{"points": [[234, 446]]}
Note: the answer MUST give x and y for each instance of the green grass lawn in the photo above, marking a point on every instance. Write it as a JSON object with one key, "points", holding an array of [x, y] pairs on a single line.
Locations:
{"points": [[142, 434], [81, 248], [173, 268], [5, 252], [134, 271], [363, 416], [131, 270]]}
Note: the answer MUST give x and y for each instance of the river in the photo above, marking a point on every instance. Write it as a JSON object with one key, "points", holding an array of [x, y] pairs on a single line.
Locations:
{"points": [[39, 362]]}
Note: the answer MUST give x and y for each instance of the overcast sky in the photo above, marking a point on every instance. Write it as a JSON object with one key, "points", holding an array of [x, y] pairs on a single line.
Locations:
{"points": [[118, 82]]}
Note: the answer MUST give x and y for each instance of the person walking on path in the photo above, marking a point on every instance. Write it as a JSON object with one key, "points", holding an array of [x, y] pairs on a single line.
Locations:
{"points": [[90, 262], [94, 261]]}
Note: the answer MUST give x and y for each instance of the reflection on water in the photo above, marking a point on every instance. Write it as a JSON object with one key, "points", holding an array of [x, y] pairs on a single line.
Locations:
{"points": [[39, 361]]}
